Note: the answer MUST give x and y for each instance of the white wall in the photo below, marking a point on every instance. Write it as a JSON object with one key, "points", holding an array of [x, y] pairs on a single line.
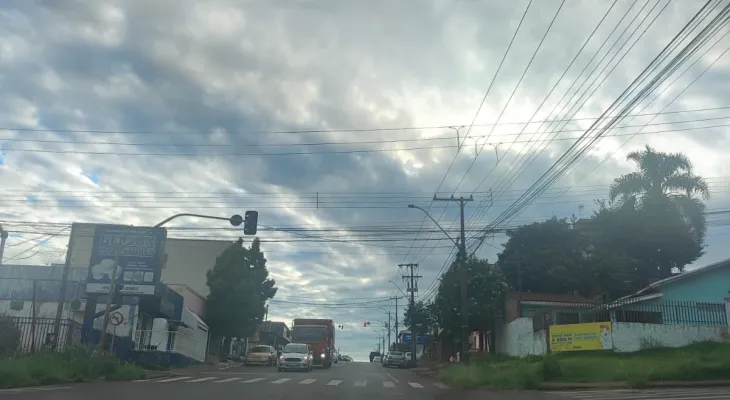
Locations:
{"points": [[628, 337], [518, 340]]}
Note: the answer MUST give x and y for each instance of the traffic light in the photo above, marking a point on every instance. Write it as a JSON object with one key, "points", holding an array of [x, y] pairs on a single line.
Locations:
{"points": [[341, 326], [366, 324], [250, 222]]}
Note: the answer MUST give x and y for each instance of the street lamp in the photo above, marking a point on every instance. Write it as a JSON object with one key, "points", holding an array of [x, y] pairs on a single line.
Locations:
{"points": [[461, 245]]}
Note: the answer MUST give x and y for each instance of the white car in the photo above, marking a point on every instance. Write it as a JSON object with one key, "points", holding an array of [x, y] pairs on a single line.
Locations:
{"points": [[377, 359], [295, 356]]}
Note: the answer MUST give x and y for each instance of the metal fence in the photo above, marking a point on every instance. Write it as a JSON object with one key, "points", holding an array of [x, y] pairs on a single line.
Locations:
{"points": [[37, 334], [660, 312]]}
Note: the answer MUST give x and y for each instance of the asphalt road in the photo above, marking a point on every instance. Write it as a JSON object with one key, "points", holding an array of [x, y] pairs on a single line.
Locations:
{"points": [[343, 381]]}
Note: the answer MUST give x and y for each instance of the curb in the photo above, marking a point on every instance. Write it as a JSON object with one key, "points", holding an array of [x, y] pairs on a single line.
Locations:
{"points": [[624, 385], [152, 374]]}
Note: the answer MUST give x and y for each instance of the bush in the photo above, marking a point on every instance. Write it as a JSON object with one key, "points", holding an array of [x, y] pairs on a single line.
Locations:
{"points": [[73, 365]]}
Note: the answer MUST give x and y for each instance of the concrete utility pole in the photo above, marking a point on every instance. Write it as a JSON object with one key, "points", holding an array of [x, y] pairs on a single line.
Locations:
{"points": [[463, 276], [412, 282], [396, 317], [3, 237]]}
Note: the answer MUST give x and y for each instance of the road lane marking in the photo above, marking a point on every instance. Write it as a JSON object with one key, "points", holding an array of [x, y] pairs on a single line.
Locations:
{"points": [[361, 383], [227, 380], [207, 378], [282, 380], [392, 377], [440, 385], [416, 385], [388, 384], [179, 378], [254, 380], [307, 381], [334, 382]]}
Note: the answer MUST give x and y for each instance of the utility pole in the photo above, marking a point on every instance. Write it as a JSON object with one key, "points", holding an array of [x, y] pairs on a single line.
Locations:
{"points": [[389, 327], [412, 282], [3, 237], [396, 317], [462, 273]]}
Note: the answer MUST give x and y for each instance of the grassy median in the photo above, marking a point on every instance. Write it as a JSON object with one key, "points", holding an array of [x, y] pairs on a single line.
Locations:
{"points": [[75, 365], [699, 361]]}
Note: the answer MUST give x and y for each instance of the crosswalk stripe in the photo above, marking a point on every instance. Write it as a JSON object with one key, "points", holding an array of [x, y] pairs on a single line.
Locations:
{"points": [[178, 378], [440, 385], [388, 384], [253, 380], [282, 380], [307, 381], [227, 380], [207, 378], [416, 385], [360, 383], [334, 382]]}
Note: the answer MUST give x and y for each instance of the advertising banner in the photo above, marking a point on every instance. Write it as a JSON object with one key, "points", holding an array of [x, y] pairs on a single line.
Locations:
{"points": [[141, 251], [580, 337]]}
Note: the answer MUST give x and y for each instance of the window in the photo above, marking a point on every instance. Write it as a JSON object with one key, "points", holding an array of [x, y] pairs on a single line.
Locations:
{"points": [[261, 349], [308, 334], [296, 348]]}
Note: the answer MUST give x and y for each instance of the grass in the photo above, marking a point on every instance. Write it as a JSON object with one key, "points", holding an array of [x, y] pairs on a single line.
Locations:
{"points": [[699, 361], [74, 365]]}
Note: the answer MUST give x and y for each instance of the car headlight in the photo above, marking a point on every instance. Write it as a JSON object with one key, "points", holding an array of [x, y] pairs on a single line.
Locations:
{"points": [[281, 358], [322, 355]]}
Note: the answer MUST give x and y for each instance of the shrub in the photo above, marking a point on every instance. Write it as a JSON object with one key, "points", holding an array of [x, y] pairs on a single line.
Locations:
{"points": [[9, 336]]}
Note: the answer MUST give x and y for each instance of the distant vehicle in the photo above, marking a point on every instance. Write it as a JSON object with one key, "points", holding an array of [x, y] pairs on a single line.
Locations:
{"points": [[295, 356], [374, 354], [319, 334], [395, 359], [377, 359], [261, 355], [346, 358]]}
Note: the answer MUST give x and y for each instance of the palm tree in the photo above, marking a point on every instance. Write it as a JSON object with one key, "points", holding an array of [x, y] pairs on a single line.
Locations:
{"points": [[665, 181]]}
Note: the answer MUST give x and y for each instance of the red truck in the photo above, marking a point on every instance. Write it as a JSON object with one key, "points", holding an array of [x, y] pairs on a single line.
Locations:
{"points": [[319, 334]]}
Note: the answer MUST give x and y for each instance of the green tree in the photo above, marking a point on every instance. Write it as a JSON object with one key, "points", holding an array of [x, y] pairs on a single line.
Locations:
{"points": [[486, 288], [669, 219], [239, 288], [419, 317], [547, 256]]}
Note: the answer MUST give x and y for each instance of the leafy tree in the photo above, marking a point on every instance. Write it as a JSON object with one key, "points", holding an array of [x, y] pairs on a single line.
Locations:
{"points": [[547, 256], [239, 288], [485, 290], [669, 220], [419, 317]]}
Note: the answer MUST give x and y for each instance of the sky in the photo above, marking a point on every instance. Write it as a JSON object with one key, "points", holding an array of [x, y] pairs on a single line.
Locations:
{"points": [[329, 117]]}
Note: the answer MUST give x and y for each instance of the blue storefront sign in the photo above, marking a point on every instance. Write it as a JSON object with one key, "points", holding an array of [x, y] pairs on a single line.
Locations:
{"points": [[406, 338], [141, 251]]}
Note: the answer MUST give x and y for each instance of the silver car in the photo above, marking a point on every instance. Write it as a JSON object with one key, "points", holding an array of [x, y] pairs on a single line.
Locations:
{"points": [[295, 356]]}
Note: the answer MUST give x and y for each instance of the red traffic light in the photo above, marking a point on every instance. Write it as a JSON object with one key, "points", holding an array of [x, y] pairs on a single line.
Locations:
{"points": [[366, 323]]}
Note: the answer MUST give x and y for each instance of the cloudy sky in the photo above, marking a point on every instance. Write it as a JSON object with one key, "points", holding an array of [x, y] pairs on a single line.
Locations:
{"points": [[329, 117]]}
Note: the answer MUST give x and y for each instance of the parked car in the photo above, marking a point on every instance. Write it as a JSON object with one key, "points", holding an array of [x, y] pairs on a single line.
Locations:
{"points": [[261, 355], [377, 359], [395, 359], [374, 354], [295, 356]]}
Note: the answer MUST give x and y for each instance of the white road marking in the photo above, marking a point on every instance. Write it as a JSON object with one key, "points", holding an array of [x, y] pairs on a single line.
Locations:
{"points": [[207, 378], [416, 385], [392, 377], [282, 380], [227, 380], [178, 378], [361, 383], [388, 384], [334, 382], [440, 385], [307, 381], [253, 380]]}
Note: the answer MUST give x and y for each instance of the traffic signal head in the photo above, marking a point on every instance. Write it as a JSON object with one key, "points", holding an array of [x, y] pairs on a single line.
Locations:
{"points": [[250, 222], [365, 324]]}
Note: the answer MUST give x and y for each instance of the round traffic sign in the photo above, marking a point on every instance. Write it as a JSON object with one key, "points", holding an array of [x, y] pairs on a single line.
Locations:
{"points": [[236, 220], [116, 318]]}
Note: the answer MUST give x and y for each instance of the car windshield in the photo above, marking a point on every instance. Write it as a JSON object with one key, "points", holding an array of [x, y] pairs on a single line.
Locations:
{"points": [[395, 353], [308, 333], [296, 348], [260, 349]]}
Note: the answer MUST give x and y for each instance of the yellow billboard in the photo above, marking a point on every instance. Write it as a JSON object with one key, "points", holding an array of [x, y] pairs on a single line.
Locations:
{"points": [[580, 337]]}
